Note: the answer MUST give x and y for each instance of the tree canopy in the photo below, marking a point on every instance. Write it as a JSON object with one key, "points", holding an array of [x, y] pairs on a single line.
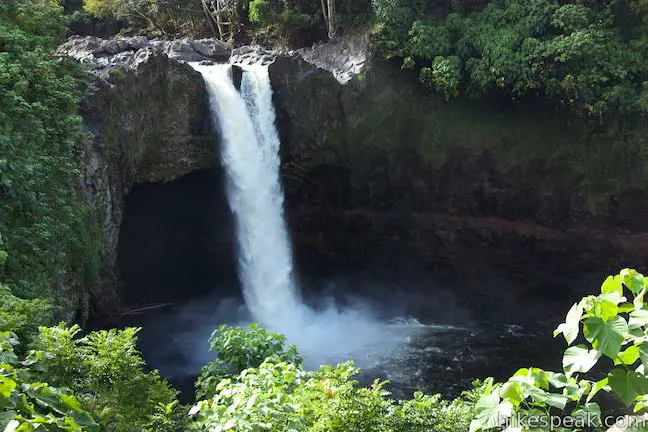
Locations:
{"points": [[42, 217], [587, 55]]}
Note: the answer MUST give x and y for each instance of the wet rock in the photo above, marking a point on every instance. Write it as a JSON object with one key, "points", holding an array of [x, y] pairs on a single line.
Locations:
{"points": [[237, 76], [377, 173]]}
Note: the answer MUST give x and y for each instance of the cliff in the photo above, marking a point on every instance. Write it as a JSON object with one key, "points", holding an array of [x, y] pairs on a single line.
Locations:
{"points": [[380, 173]]}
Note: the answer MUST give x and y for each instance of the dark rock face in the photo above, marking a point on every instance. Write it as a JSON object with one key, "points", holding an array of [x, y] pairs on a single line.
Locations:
{"points": [[147, 115], [377, 174]]}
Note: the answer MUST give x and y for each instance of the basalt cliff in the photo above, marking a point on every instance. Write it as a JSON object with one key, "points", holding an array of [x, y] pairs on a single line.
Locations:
{"points": [[378, 174]]}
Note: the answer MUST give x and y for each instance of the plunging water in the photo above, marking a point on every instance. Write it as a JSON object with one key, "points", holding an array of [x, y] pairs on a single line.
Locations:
{"points": [[250, 155]]}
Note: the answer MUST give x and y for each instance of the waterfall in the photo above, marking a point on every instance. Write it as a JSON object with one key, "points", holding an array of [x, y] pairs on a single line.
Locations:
{"points": [[250, 156]]}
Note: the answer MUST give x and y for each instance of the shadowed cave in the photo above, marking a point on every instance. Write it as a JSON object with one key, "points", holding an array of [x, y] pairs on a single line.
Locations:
{"points": [[177, 241]]}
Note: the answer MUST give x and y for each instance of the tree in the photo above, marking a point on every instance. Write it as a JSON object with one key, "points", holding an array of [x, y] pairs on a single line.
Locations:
{"points": [[134, 12], [43, 220], [572, 54]]}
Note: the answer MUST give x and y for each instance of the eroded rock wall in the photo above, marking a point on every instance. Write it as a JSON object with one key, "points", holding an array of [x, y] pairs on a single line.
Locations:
{"points": [[146, 118], [378, 173]]}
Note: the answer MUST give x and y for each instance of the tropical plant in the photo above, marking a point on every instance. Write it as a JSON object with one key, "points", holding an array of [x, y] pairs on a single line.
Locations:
{"points": [[108, 374], [237, 349], [614, 328], [283, 397], [277, 394], [22, 316], [27, 404]]}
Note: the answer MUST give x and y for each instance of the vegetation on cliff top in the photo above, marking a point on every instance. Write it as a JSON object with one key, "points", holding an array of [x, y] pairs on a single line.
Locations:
{"points": [[588, 55]]}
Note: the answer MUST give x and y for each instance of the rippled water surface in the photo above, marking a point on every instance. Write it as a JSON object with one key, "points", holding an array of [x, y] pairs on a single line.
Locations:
{"points": [[411, 354]]}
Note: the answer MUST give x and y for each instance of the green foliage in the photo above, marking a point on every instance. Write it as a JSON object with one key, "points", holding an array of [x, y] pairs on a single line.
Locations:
{"points": [[238, 349], [43, 221], [22, 316], [294, 20], [277, 394], [615, 328], [261, 12], [445, 74], [135, 12], [572, 54], [108, 373], [117, 74], [29, 405], [390, 32]]}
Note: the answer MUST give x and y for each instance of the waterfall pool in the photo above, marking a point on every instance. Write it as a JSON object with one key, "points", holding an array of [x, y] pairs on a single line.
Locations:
{"points": [[412, 354]]}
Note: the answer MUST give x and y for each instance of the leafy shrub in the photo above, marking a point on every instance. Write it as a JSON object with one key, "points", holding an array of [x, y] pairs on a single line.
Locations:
{"points": [[29, 405], [571, 17], [135, 12], [614, 329], [444, 74], [238, 349], [117, 74], [107, 372], [393, 22], [293, 20], [279, 395], [261, 12], [22, 316]]}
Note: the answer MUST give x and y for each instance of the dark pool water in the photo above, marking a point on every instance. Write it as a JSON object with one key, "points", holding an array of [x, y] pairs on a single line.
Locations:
{"points": [[413, 354]]}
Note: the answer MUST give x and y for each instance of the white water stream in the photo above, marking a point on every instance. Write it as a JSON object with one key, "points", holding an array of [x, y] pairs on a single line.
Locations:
{"points": [[250, 156]]}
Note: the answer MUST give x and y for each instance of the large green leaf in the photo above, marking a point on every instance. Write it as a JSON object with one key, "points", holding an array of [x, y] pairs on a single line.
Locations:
{"points": [[643, 354], [638, 302], [579, 359], [633, 280], [542, 397], [558, 380], [487, 410], [628, 356], [590, 413], [606, 336], [626, 307], [512, 392], [612, 284], [84, 420], [569, 328], [627, 384], [606, 309], [7, 386]]}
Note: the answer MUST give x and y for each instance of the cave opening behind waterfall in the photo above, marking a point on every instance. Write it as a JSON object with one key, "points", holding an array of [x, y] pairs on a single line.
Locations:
{"points": [[177, 241]]}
